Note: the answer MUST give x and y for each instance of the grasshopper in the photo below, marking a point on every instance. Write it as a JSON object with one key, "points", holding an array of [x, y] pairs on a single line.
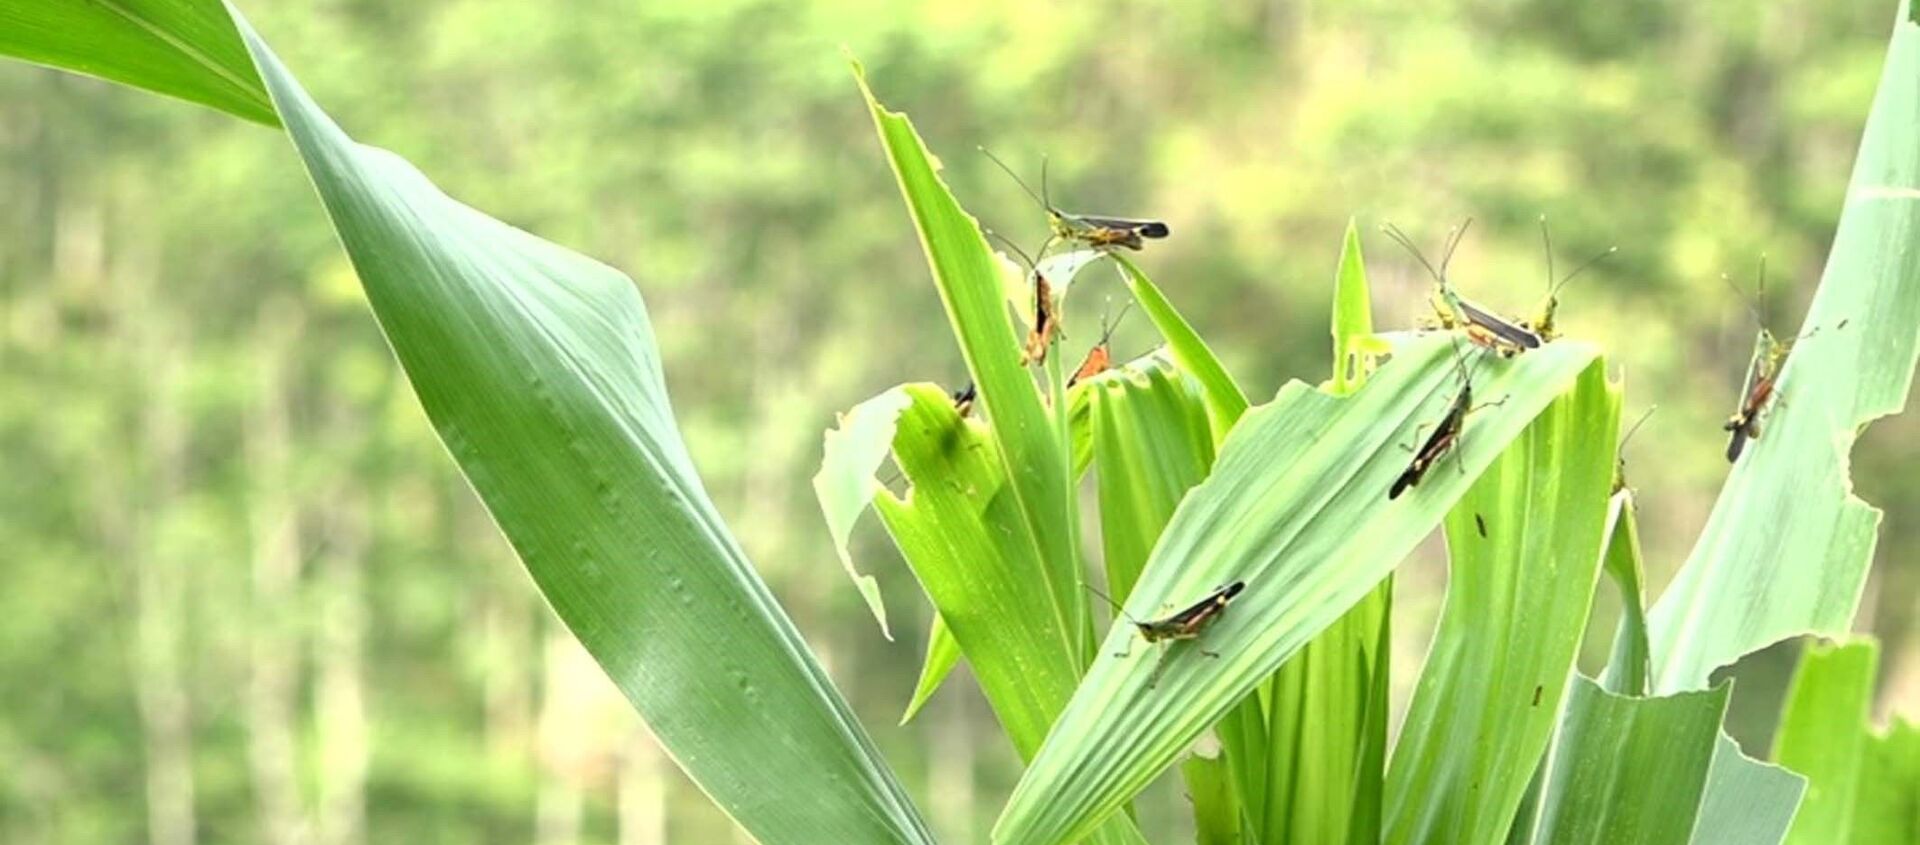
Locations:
{"points": [[1446, 435], [1187, 624], [1046, 319], [1093, 231], [1763, 373], [1100, 357], [1544, 326], [1482, 326]]}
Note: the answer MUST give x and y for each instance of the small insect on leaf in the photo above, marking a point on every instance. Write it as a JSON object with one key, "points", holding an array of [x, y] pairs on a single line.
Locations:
{"points": [[1480, 523], [964, 397], [1483, 327], [1763, 371], [1620, 452], [1186, 624], [1089, 230], [1046, 317], [1544, 326], [1446, 434], [1100, 358]]}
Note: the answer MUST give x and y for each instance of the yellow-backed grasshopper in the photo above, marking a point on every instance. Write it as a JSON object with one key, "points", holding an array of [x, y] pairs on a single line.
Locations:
{"points": [[1089, 230]]}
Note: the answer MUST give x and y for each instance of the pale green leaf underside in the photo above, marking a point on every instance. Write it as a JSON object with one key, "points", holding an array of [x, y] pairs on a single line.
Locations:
{"points": [[538, 369], [182, 48], [845, 484], [1297, 508], [1786, 548], [1748, 802]]}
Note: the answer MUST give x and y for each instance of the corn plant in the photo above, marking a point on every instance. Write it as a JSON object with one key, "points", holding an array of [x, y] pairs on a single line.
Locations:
{"points": [[537, 367]]}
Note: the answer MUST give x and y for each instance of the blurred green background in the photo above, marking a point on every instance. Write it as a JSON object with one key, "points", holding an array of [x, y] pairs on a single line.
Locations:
{"points": [[249, 599]]}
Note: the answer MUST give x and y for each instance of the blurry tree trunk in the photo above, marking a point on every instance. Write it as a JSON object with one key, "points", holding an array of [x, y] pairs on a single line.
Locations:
{"points": [[339, 692], [155, 349], [506, 623], [643, 790], [276, 547], [566, 740]]}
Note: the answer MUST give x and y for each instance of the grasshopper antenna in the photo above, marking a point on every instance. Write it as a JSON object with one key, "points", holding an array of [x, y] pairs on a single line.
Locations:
{"points": [[1460, 363], [1046, 195], [1019, 181], [1546, 238], [1753, 307], [1453, 242], [1110, 602], [1584, 267], [1031, 266], [1106, 328], [1406, 243], [1635, 428]]}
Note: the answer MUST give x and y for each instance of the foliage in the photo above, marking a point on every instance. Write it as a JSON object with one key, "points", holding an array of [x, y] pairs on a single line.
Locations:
{"points": [[538, 370]]}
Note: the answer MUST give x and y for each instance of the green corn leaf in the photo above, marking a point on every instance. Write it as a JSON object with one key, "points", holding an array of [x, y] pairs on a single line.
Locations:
{"points": [[1887, 805], [1307, 749], [1630, 769], [1216, 813], [1823, 737], [1297, 509], [538, 369], [1629, 669], [960, 530], [1786, 548], [1151, 444], [943, 653], [1525, 550], [845, 483], [1031, 442], [1225, 400], [182, 48]]}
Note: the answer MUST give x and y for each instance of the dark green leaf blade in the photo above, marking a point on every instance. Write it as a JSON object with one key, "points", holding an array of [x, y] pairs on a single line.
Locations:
{"points": [[181, 48], [538, 369]]}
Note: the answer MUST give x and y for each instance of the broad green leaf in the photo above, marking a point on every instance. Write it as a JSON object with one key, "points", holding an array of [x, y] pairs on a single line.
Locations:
{"points": [[1025, 607], [1629, 769], [1031, 444], [1225, 400], [1629, 669], [943, 653], [1297, 508], [181, 48], [1524, 545], [1151, 444], [1216, 813], [1823, 737], [537, 367], [1888, 803], [845, 484], [1307, 749], [961, 530], [1786, 548]]}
